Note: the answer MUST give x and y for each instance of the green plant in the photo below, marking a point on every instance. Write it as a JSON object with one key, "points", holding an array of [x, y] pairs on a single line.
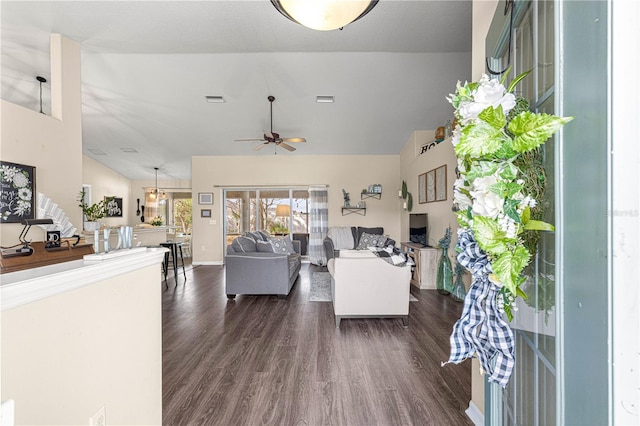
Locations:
{"points": [[94, 211], [156, 221]]}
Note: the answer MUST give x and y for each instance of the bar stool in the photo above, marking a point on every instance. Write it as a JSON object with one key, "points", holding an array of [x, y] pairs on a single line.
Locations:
{"points": [[175, 249]]}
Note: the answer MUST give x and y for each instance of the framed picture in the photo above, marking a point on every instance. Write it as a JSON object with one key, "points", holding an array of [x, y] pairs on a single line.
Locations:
{"points": [[114, 206], [205, 212], [422, 188], [17, 192], [431, 186], [205, 198], [441, 183]]}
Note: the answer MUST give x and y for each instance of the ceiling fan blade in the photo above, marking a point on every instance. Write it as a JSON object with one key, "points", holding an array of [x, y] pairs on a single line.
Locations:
{"points": [[268, 135], [294, 140], [285, 146], [259, 147], [248, 140]]}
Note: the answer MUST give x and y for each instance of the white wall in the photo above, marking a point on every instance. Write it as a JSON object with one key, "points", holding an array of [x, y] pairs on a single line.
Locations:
{"points": [[53, 144], [106, 183], [351, 173], [64, 357]]}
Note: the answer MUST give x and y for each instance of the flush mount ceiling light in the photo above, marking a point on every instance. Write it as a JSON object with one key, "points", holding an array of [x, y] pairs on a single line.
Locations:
{"points": [[324, 15], [324, 99]]}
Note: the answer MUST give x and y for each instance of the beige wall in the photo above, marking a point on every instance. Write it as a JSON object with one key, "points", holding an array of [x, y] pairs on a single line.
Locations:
{"points": [[351, 173], [66, 356], [104, 183], [53, 144]]}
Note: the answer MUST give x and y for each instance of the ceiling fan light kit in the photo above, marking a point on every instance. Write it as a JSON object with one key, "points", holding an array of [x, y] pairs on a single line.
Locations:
{"points": [[214, 99], [324, 15], [324, 99]]}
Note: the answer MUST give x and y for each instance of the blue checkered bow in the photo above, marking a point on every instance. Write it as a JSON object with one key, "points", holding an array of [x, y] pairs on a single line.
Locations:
{"points": [[481, 331]]}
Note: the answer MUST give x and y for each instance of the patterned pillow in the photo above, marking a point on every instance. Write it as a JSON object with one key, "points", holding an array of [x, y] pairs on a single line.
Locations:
{"points": [[371, 240], [264, 247], [281, 245], [244, 245]]}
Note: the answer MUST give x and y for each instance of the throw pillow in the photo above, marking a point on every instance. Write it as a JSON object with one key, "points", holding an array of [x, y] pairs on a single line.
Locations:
{"points": [[264, 234], [383, 242], [371, 240], [372, 231], [264, 247], [244, 244], [281, 245]]}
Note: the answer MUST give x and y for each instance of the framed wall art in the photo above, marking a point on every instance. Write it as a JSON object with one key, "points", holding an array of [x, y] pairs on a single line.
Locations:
{"points": [[422, 188], [17, 192], [205, 213], [431, 186], [205, 198], [441, 183], [113, 206]]}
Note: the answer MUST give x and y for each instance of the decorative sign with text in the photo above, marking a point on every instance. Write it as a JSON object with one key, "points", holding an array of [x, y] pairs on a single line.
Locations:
{"points": [[113, 206], [18, 192]]}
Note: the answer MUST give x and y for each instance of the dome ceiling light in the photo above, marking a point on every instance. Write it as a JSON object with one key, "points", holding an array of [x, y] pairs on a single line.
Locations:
{"points": [[324, 15]]}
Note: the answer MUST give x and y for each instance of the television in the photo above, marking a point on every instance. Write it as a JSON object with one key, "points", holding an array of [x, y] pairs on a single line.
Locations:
{"points": [[418, 228]]}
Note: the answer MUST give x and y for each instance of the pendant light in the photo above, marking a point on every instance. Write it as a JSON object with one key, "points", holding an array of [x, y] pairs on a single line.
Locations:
{"points": [[324, 15]]}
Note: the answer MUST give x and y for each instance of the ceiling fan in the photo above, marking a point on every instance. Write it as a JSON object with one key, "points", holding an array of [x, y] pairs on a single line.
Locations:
{"points": [[273, 137]]}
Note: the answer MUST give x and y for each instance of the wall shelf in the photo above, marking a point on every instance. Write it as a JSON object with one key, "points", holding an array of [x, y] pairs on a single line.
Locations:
{"points": [[362, 211], [365, 195]]}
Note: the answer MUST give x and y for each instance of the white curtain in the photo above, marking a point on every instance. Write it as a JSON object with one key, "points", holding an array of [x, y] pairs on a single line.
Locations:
{"points": [[318, 223]]}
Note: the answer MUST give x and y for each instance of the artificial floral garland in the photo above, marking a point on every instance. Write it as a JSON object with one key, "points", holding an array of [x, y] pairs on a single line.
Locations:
{"points": [[490, 197], [493, 201]]}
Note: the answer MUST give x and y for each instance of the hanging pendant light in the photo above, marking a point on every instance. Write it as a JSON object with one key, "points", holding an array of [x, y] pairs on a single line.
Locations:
{"points": [[324, 15]]}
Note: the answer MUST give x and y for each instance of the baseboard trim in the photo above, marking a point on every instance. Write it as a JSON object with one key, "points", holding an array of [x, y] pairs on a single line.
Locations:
{"points": [[209, 263], [475, 414]]}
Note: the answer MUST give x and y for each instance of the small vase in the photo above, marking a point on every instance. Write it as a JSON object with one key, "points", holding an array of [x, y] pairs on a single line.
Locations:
{"points": [[347, 204], [444, 280], [459, 292]]}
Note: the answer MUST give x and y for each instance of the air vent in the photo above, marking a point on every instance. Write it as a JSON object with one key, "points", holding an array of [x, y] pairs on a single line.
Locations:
{"points": [[324, 99], [214, 99], [96, 151]]}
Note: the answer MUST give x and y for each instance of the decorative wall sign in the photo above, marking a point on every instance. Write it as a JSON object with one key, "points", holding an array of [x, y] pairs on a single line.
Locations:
{"points": [[431, 186], [113, 206], [441, 183], [205, 198], [422, 188], [17, 192], [205, 212]]}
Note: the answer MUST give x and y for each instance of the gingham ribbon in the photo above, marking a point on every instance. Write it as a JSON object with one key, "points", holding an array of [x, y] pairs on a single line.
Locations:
{"points": [[481, 331]]}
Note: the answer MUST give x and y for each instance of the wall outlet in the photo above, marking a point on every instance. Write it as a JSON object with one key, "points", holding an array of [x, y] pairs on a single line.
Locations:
{"points": [[99, 418]]}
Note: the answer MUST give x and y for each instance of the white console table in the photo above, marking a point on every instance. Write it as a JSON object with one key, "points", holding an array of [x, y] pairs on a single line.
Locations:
{"points": [[426, 264]]}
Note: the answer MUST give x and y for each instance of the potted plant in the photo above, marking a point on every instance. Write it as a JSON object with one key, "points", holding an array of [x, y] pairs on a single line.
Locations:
{"points": [[93, 212]]}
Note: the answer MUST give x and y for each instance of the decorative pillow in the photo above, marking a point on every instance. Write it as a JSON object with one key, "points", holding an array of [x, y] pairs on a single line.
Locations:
{"points": [[371, 240], [372, 231], [264, 247], [281, 245], [342, 237], [264, 234], [383, 242], [244, 244]]}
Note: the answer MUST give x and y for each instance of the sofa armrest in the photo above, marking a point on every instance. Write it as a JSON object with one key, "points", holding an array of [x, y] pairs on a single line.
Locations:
{"points": [[297, 246]]}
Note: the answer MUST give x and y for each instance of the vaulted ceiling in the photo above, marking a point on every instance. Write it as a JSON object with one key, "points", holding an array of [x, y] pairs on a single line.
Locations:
{"points": [[148, 65]]}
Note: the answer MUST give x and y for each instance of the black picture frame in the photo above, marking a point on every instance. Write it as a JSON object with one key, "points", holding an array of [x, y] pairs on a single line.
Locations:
{"points": [[205, 213], [113, 206], [205, 197], [17, 192]]}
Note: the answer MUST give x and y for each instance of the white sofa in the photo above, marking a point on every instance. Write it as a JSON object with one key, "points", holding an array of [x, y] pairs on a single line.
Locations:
{"points": [[365, 286]]}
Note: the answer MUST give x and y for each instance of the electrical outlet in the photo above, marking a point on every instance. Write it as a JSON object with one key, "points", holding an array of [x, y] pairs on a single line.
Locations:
{"points": [[99, 418]]}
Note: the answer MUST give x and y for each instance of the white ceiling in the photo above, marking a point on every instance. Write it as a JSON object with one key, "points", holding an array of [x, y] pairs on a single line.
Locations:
{"points": [[147, 66]]}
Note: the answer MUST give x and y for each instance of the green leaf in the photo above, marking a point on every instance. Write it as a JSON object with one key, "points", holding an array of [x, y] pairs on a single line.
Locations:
{"points": [[506, 150], [493, 116], [508, 267], [521, 293], [479, 139], [505, 75], [482, 169], [511, 209], [517, 80], [532, 130], [489, 235], [538, 225], [526, 215]]}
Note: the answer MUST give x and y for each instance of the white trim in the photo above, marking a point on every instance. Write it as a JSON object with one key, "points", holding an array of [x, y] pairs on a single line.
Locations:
{"points": [[209, 263], [474, 413], [28, 286]]}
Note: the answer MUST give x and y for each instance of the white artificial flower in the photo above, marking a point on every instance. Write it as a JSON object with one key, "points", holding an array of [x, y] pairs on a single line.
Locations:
{"points": [[485, 202], [24, 194], [459, 198], [508, 225], [20, 180], [455, 137], [489, 93]]}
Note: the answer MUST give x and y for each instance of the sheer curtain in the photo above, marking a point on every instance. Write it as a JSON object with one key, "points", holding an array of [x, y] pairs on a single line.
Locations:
{"points": [[318, 223]]}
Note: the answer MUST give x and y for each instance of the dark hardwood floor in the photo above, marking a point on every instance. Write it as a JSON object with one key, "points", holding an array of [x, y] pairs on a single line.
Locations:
{"points": [[263, 360]]}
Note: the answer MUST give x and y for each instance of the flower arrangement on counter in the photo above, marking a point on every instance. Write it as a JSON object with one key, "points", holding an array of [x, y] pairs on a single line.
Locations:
{"points": [[493, 201], [156, 221]]}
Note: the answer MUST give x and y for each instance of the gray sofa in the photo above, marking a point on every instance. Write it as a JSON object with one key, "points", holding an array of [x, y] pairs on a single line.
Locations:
{"points": [[252, 269]]}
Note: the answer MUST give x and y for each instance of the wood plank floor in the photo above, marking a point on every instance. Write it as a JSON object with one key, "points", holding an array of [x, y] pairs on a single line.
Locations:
{"points": [[263, 360]]}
